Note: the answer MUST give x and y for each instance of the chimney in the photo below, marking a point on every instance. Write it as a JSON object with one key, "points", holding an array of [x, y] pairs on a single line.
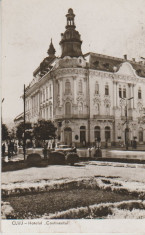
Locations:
{"points": [[125, 57], [133, 59]]}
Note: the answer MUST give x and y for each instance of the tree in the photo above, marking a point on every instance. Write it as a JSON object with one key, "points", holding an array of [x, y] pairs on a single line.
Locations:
{"points": [[20, 131], [5, 133], [44, 130]]}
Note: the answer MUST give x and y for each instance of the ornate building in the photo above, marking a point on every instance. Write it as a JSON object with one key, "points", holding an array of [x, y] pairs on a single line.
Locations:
{"points": [[88, 96]]}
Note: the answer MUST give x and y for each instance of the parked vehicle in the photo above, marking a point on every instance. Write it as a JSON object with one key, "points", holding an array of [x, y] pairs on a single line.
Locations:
{"points": [[63, 148]]}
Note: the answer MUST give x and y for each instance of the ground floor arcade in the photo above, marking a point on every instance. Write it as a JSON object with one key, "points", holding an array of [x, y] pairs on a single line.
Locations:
{"points": [[82, 132]]}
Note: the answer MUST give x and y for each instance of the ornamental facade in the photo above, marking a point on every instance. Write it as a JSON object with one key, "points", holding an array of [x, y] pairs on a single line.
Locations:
{"points": [[88, 96]]}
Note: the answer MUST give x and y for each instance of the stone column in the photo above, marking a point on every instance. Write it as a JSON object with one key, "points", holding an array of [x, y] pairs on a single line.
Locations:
{"points": [[75, 90], [61, 91], [133, 95], [130, 95], [116, 94]]}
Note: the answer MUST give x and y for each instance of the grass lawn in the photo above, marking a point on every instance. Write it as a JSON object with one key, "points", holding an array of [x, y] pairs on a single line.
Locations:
{"points": [[36, 205]]}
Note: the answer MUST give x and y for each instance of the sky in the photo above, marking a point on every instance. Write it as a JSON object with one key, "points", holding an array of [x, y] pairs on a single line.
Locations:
{"points": [[110, 27]]}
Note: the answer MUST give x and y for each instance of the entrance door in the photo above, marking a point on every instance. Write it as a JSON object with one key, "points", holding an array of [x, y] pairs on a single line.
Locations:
{"points": [[68, 136], [83, 136]]}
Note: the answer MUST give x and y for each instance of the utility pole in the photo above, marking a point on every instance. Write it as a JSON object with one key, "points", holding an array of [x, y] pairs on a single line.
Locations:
{"points": [[126, 122], [1, 110], [24, 140]]}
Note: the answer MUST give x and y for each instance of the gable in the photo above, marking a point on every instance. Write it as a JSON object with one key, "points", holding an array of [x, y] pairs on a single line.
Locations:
{"points": [[126, 69]]}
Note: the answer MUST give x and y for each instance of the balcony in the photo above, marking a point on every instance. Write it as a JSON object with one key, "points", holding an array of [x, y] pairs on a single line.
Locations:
{"points": [[101, 117], [72, 116], [128, 118]]}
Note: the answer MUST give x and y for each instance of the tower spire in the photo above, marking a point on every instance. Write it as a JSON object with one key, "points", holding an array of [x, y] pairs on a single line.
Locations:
{"points": [[51, 50], [71, 39], [70, 19]]}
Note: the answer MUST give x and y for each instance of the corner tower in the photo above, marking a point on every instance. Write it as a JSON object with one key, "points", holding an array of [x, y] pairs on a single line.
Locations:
{"points": [[70, 40]]}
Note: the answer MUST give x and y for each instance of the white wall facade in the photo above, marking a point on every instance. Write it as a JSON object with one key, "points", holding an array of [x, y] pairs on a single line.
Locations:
{"points": [[82, 101]]}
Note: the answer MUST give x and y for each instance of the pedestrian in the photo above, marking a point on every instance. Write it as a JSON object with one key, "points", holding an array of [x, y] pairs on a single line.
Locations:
{"points": [[3, 149], [9, 150], [45, 151], [15, 148], [53, 145]]}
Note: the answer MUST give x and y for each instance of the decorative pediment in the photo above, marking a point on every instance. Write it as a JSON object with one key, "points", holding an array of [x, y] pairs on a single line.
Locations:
{"points": [[127, 69], [97, 100], [107, 102]]}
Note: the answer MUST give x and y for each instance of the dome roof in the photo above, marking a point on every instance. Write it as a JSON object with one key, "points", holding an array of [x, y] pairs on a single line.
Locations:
{"points": [[70, 11]]}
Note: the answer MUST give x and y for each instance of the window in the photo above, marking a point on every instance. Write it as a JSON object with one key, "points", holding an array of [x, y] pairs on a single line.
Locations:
{"points": [[120, 92], [96, 132], [58, 86], [83, 136], [96, 88], [139, 93], [47, 113], [51, 111], [50, 91], [46, 93], [106, 90], [140, 134], [80, 86], [67, 88], [43, 95], [68, 108], [107, 134], [124, 92]]}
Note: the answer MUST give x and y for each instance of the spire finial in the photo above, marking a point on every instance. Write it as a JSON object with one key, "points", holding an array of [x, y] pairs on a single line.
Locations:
{"points": [[51, 50], [70, 19]]}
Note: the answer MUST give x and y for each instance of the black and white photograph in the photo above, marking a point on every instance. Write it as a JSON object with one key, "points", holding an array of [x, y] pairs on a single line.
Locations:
{"points": [[72, 115]]}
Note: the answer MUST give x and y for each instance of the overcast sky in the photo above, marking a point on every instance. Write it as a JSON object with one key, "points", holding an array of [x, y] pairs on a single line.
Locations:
{"points": [[111, 27]]}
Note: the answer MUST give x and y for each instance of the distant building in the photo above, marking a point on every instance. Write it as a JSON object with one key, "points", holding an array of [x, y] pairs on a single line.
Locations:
{"points": [[87, 96], [19, 119]]}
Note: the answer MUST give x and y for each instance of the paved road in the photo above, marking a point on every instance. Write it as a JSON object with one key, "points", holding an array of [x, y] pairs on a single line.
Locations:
{"points": [[106, 153]]}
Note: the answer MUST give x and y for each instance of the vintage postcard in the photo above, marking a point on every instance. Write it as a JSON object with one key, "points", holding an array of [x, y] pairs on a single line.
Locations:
{"points": [[73, 116]]}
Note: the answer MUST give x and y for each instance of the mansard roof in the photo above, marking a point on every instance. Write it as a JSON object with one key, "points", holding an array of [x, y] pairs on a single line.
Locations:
{"points": [[107, 63]]}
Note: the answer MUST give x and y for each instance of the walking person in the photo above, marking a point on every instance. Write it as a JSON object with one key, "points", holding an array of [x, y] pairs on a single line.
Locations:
{"points": [[3, 149]]}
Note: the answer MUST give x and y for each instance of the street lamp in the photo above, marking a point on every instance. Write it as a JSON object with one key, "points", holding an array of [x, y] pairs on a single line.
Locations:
{"points": [[126, 122], [1, 108]]}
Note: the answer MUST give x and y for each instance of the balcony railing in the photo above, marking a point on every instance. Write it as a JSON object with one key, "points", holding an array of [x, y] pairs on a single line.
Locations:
{"points": [[103, 117], [71, 116], [128, 118]]}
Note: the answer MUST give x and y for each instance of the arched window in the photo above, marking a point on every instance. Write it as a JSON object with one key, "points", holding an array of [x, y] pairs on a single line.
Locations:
{"points": [[50, 91], [43, 95], [43, 113], [96, 132], [80, 86], [140, 133], [47, 113], [68, 108], [106, 89], [67, 87], [107, 134], [124, 92], [50, 111], [58, 87], [46, 93], [139, 94], [120, 92], [97, 88], [80, 108]]}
